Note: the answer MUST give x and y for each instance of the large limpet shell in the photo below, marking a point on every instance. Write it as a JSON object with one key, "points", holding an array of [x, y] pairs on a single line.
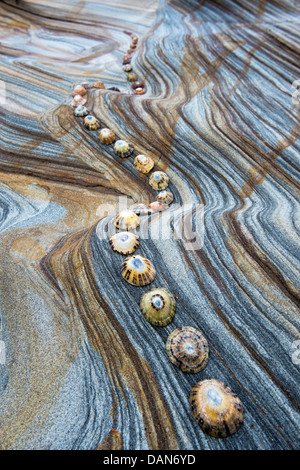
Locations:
{"points": [[123, 149], [79, 90], [143, 163], [81, 111], [158, 306], [132, 77], [159, 180], [141, 209], [98, 84], [138, 270], [187, 349], [166, 197], [127, 220], [124, 243], [91, 123], [106, 136], [139, 91], [157, 206], [127, 68], [216, 408]]}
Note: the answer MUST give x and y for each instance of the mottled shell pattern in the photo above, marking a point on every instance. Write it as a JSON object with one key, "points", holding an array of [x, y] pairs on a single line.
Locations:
{"points": [[91, 123], [143, 163], [106, 136], [77, 100], [158, 306], [216, 408], [81, 111], [141, 209], [159, 180], [79, 90], [123, 149], [127, 220], [187, 349], [139, 91], [138, 270], [132, 77], [124, 243], [166, 197], [98, 84]]}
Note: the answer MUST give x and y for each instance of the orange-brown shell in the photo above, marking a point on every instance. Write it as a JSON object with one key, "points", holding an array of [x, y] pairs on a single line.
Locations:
{"points": [[157, 206], [138, 270], [139, 91], [216, 408], [91, 123], [79, 90], [78, 100], [98, 84], [106, 136], [143, 163]]}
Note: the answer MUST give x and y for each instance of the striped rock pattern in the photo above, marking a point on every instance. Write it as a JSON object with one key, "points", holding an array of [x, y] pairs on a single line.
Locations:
{"points": [[83, 369]]}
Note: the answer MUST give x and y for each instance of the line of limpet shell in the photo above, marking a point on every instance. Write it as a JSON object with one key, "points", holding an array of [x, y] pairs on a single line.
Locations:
{"points": [[214, 406]]}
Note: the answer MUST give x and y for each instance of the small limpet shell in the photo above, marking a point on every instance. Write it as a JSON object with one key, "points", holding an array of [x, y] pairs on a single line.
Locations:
{"points": [[157, 206], [166, 197], [124, 243], [139, 91], [81, 111], [79, 90], [159, 180], [91, 123], [216, 408], [132, 77], [106, 136], [137, 85], [143, 163], [127, 68], [77, 100], [126, 59], [187, 349], [138, 270], [123, 149], [158, 306], [141, 209], [98, 84], [127, 220]]}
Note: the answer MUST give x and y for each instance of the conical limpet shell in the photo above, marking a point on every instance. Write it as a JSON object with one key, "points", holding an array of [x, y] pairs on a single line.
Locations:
{"points": [[127, 220], [81, 111], [166, 197], [159, 180], [157, 206], [91, 123], [141, 209], [123, 149], [187, 349], [77, 100], [138, 270], [143, 163], [124, 243], [216, 408], [98, 84], [106, 136], [158, 306], [79, 90], [127, 68]]}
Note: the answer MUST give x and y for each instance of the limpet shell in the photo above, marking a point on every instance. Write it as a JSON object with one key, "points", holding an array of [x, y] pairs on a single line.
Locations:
{"points": [[132, 77], [157, 206], [187, 349], [126, 220], [159, 180], [139, 91], [138, 270], [143, 163], [91, 123], [137, 85], [123, 149], [106, 136], [124, 243], [141, 209], [79, 90], [98, 84], [166, 197], [216, 408], [126, 59], [81, 111], [158, 306], [77, 100], [127, 68]]}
